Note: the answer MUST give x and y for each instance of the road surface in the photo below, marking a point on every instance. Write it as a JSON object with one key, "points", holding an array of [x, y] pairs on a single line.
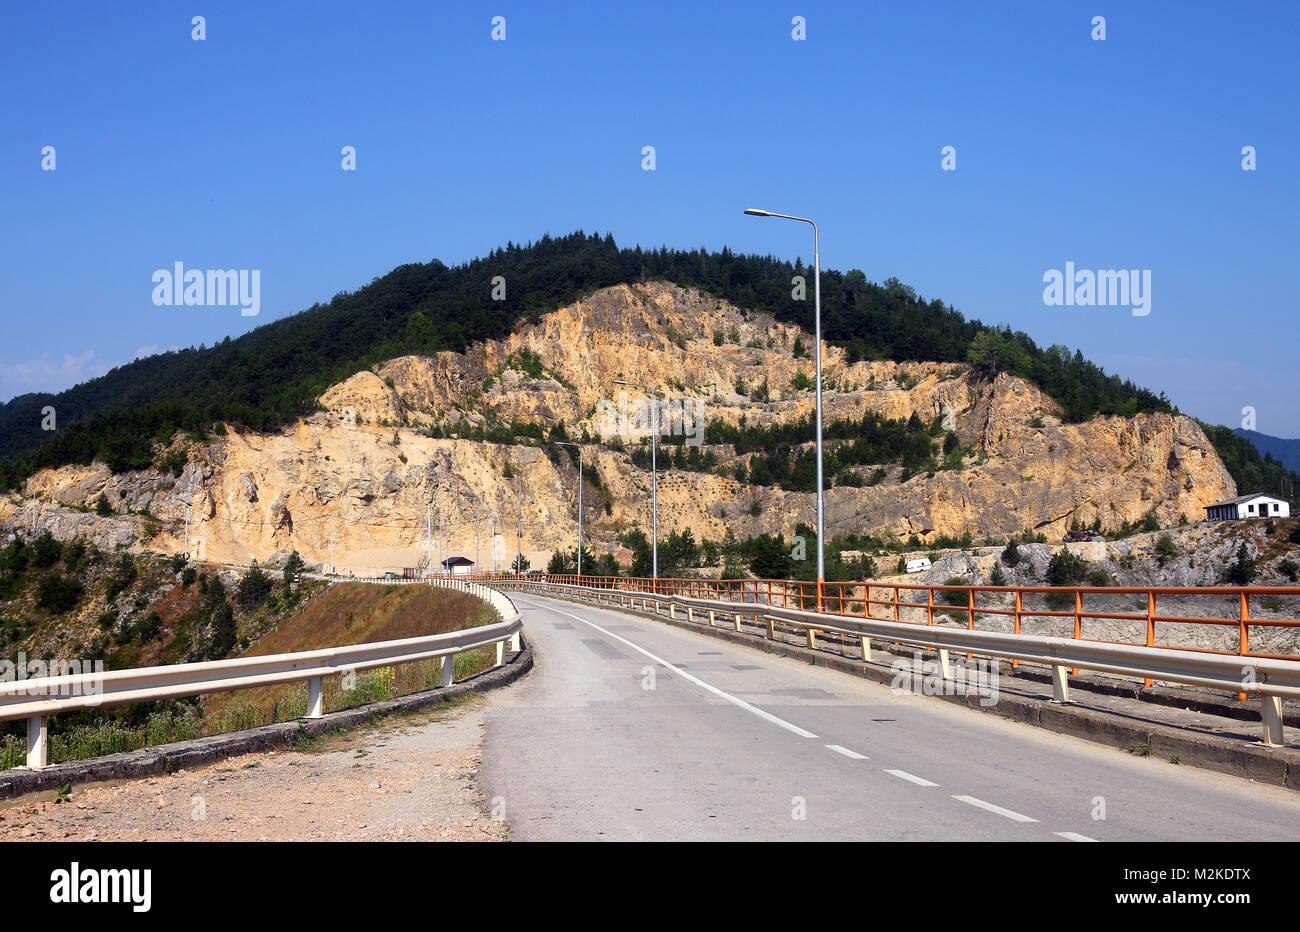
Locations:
{"points": [[630, 729]]}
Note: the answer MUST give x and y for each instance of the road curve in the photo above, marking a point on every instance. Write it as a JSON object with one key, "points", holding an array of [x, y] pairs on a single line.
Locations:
{"points": [[629, 729]]}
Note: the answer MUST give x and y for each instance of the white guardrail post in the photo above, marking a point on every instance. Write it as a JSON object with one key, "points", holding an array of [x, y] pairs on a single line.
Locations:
{"points": [[315, 698], [37, 742]]}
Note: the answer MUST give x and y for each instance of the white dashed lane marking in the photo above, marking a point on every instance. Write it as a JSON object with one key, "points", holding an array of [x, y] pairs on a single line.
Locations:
{"points": [[911, 777], [1005, 813], [1074, 836], [840, 749]]}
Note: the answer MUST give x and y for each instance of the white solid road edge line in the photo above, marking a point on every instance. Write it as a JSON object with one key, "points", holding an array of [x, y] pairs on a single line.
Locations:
{"points": [[904, 775], [768, 716], [1074, 836], [1007, 813], [840, 749]]}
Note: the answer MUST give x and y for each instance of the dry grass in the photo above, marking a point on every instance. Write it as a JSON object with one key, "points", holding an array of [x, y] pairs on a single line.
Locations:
{"points": [[358, 613]]}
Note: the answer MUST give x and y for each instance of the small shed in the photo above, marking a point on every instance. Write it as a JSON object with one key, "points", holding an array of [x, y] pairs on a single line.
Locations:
{"points": [[458, 566], [1254, 505]]}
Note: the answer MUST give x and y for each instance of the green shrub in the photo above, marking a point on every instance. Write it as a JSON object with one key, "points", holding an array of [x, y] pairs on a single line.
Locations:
{"points": [[124, 573], [1066, 569], [954, 596], [74, 557], [850, 479], [46, 551], [147, 630], [1242, 571], [254, 587], [58, 594]]}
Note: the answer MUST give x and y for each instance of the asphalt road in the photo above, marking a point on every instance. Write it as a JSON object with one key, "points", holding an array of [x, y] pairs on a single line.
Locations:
{"points": [[629, 729]]}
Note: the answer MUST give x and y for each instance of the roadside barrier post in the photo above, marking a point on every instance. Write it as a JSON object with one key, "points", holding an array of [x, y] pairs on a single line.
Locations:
{"points": [[37, 743], [1271, 714], [315, 698], [1060, 684]]}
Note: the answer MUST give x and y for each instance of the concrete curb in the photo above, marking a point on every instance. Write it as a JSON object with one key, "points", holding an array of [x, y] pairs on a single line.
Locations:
{"points": [[1235, 755], [184, 755]]}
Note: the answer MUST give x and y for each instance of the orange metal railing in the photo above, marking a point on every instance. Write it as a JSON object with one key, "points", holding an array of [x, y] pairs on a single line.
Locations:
{"points": [[1071, 607]]}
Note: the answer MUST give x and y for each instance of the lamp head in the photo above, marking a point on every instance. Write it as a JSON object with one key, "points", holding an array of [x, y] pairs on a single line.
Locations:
{"points": [[755, 212]]}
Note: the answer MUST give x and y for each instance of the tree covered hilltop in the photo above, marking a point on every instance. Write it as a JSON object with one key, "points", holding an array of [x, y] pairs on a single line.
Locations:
{"points": [[275, 373]]}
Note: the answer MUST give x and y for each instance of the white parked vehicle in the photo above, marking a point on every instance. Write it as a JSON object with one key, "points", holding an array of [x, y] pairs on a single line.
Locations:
{"points": [[919, 565]]}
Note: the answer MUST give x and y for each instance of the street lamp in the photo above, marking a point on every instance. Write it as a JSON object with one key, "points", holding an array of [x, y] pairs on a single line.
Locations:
{"points": [[565, 443], [654, 479], [817, 317]]}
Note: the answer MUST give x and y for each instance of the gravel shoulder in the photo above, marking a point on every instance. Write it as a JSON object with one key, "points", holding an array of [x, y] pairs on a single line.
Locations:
{"points": [[407, 777]]}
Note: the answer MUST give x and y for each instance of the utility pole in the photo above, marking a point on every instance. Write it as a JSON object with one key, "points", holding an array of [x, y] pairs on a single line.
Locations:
{"points": [[428, 532], [189, 510], [333, 568], [492, 544], [519, 534], [478, 516]]}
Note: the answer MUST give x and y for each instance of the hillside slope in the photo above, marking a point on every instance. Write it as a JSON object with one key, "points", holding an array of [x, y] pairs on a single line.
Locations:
{"points": [[266, 378], [449, 435]]}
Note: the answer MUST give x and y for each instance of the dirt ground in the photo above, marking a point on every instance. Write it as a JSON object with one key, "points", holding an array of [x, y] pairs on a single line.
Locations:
{"points": [[408, 777]]}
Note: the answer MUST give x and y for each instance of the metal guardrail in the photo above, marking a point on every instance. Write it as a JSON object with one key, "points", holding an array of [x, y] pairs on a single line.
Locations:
{"points": [[1269, 679], [918, 601], [38, 698]]}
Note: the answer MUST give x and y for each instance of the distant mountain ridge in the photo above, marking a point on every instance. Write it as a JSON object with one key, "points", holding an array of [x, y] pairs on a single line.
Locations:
{"points": [[1286, 452]]}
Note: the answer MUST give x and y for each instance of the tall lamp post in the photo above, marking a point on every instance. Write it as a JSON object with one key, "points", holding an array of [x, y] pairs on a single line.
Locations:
{"points": [[565, 443], [817, 318], [654, 479]]}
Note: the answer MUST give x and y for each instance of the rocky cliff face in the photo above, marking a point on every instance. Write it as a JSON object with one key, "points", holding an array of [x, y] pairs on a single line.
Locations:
{"points": [[365, 475]]}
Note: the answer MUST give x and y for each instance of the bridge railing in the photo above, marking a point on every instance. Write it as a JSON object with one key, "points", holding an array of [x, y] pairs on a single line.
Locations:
{"points": [[931, 604], [1268, 677], [38, 698]]}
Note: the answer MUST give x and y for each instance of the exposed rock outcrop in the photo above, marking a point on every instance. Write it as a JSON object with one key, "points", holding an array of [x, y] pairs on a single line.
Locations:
{"points": [[365, 475]]}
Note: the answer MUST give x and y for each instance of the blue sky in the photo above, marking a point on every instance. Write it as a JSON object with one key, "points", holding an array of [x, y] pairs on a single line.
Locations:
{"points": [[225, 153]]}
